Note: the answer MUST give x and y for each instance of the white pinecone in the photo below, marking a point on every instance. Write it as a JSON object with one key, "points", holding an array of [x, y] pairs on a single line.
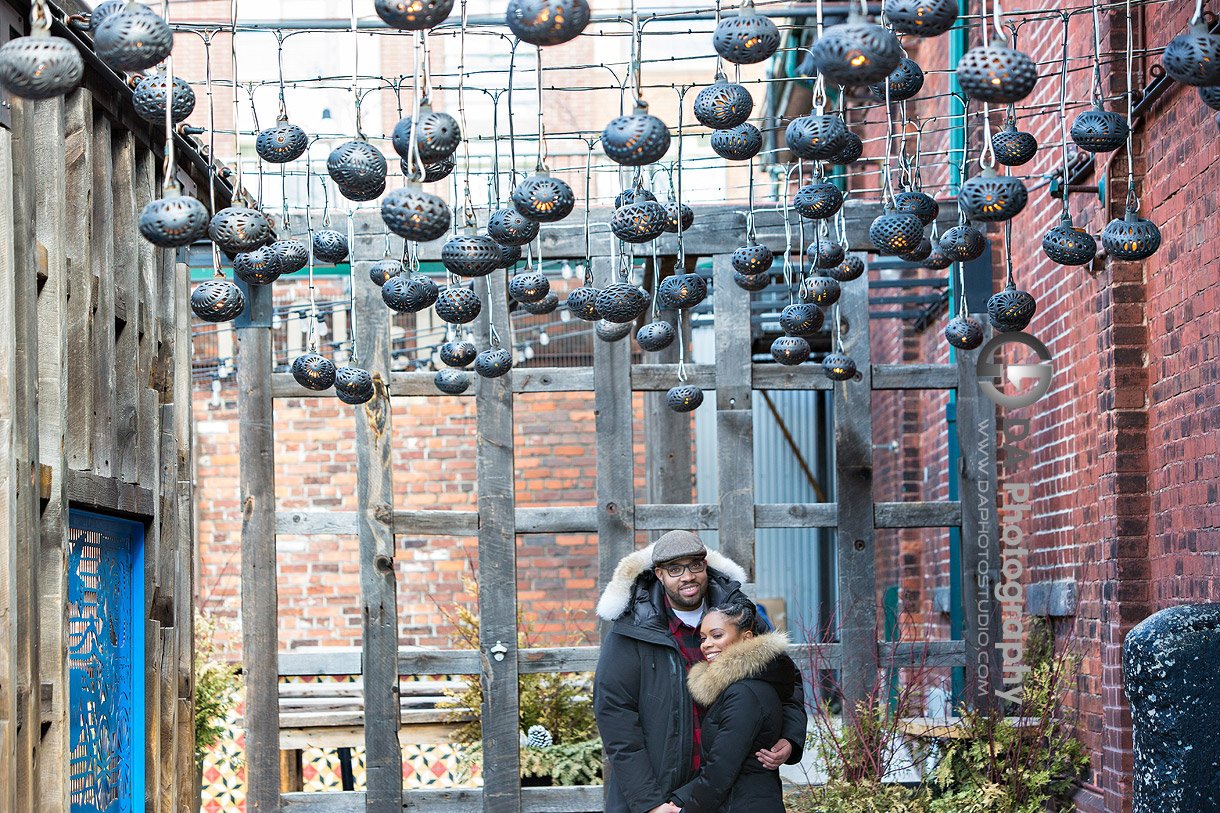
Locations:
{"points": [[539, 737]]}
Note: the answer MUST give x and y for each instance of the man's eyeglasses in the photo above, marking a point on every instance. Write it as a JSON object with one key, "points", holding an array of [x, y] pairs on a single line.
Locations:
{"points": [[697, 566]]}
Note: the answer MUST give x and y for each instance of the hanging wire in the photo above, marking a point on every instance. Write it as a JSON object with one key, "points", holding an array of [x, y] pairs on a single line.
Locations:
{"points": [[1063, 128], [1133, 202], [1096, 92], [681, 254], [987, 151], [588, 250], [168, 183], [237, 185], [207, 63], [354, 359], [542, 148]]}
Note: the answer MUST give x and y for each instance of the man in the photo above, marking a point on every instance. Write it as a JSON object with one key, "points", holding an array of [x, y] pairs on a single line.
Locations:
{"points": [[648, 722]]}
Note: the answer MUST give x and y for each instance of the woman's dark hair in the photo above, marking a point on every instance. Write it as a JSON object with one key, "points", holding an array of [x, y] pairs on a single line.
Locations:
{"points": [[744, 616]]}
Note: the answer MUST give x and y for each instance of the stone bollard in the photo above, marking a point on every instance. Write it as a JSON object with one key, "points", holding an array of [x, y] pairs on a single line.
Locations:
{"points": [[1171, 674]]}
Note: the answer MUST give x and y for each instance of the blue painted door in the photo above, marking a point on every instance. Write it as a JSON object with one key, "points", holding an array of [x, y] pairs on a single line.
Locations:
{"points": [[106, 663]]}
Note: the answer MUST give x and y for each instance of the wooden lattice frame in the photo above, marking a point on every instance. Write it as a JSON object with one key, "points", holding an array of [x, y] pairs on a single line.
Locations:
{"points": [[615, 518]]}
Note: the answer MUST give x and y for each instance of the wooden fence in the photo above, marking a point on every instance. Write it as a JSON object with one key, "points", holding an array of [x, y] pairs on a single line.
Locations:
{"points": [[615, 518]]}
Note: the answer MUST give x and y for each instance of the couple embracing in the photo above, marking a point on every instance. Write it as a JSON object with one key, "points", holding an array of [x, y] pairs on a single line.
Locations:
{"points": [[697, 701]]}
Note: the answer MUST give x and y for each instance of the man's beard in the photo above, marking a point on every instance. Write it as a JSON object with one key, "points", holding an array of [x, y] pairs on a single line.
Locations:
{"points": [[680, 601]]}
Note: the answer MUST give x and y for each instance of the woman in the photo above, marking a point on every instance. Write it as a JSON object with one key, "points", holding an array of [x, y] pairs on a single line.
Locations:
{"points": [[746, 678]]}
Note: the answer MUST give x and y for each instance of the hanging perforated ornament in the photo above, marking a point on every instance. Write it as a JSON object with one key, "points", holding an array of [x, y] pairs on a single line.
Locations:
{"points": [[260, 266], [494, 362], [894, 233], [40, 66], [437, 136], [509, 255], [636, 195], [383, 270], [752, 282], [996, 73], [529, 286], [801, 319], [682, 291], [1012, 147], [358, 169], [637, 139], [547, 22], [413, 15], [238, 229], [409, 294], [684, 398], [582, 303], [904, 83], [451, 382], [330, 246], [611, 331], [1210, 97], [922, 205], [217, 300], [853, 148], [134, 39], [655, 336], [963, 243], [936, 260], [1193, 58], [671, 217], [282, 143], [856, 53], [458, 305], [543, 306], [1068, 245], [790, 350], [458, 354], [433, 171], [746, 39], [824, 253], [148, 99], [543, 198], [818, 201], [415, 215], [820, 291], [838, 367], [471, 255], [723, 104], [104, 10], [964, 333], [740, 143], [919, 254], [851, 268], [638, 222], [173, 221], [816, 137], [1131, 237], [923, 18], [621, 302], [752, 258], [353, 385], [992, 198], [1100, 130], [313, 371], [1011, 310], [292, 254], [510, 228]]}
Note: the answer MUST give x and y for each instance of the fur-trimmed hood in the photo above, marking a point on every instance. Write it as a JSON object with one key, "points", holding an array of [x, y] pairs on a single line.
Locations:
{"points": [[763, 657], [616, 598]]}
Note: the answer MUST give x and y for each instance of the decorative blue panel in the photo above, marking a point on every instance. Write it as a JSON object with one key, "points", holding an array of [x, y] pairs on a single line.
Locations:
{"points": [[106, 660]]}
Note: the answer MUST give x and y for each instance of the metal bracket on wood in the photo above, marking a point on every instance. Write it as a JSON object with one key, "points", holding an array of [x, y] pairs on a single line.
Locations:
{"points": [[498, 651]]}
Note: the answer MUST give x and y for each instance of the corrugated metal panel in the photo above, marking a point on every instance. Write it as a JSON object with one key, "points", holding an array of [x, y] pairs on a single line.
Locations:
{"points": [[790, 564]]}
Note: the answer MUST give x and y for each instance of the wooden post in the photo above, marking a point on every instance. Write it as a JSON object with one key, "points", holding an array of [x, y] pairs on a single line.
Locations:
{"points": [[105, 460], [613, 426], [378, 591], [980, 538], [734, 416], [126, 308], [498, 568], [259, 640], [854, 498], [79, 249], [667, 434]]}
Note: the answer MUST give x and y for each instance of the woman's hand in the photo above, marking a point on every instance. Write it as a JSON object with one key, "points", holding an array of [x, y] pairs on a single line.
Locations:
{"points": [[668, 807], [777, 755]]}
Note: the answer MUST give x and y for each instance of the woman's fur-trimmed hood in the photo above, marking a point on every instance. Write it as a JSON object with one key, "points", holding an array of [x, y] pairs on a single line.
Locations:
{"points": [[753, 658], [617, 595]]}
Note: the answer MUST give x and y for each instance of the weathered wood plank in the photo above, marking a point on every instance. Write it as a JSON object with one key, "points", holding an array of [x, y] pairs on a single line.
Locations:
{"points": [[260, 640], [11, 759], [613, 418], [420, 383], [572, 799], [78, 232], [857, 610], [126, 265], [143, 314], [105, 460], [696, 517], [917, 514], [378, 589], [659, 377], [734, 417], [50, 219], [292, 739], [780, 377], [980, 539], [558, 659], [914, 377], [796, 515], [89, 490], [557, 520], [497, 564]]}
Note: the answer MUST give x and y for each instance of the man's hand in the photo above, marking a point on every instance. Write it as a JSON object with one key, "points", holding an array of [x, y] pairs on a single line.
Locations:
{"points": [[666, 808], [776, 756]]}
